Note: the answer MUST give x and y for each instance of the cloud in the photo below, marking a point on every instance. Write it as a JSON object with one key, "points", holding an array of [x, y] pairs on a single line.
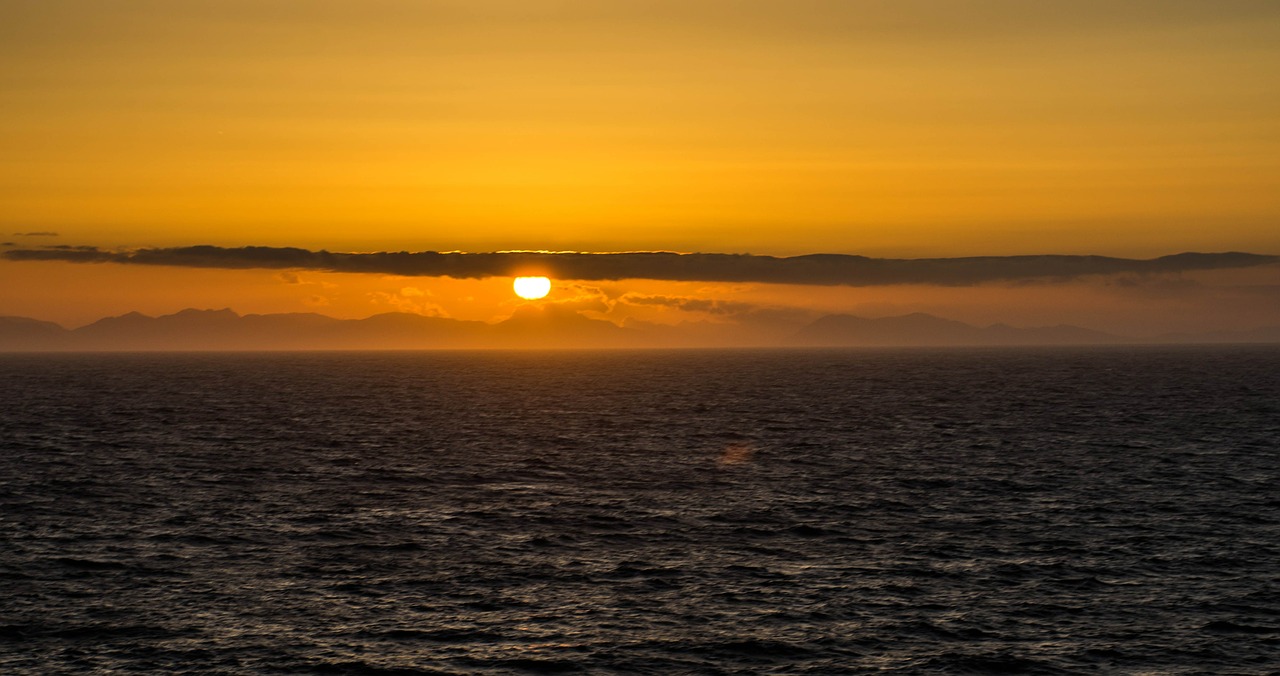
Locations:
{"points": [[707, 305], [41, 233], [737, 313], [1158, 285], [407, 302], [818, 269], [582, 298]]}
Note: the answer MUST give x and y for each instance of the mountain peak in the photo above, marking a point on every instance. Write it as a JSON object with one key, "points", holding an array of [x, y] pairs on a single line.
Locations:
{"points": [[224, 313]]}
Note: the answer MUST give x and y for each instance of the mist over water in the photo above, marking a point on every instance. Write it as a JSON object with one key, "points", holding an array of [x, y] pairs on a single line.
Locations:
{"points": [[961, 511]]}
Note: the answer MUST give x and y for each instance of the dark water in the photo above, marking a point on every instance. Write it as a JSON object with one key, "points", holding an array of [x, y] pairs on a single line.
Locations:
{"points": [[1113, 511]]}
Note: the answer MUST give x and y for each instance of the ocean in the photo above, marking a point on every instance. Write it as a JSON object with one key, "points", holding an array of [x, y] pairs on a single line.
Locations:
{"points": [[1108, 510]]}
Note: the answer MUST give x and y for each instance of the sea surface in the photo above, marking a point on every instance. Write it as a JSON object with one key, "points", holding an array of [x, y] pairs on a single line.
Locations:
{"points": [[740, 512]]}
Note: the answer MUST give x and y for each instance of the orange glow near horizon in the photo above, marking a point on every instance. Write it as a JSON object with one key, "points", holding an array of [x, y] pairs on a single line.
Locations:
{"points": [[906, 129], [75, 295]]}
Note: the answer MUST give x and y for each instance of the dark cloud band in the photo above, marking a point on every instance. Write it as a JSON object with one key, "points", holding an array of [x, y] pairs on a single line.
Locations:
{"points": [[819, 269]]}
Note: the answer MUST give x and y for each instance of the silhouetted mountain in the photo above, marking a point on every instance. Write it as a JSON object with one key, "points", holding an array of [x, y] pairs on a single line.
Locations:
{"points": [[921, 329], [20, 333], [404, 331], [225, 330], [551, 326], [186, 330], [531, 326]]}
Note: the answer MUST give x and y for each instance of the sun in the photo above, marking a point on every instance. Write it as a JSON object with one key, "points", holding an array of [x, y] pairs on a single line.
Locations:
{"points": [[532, 288]]}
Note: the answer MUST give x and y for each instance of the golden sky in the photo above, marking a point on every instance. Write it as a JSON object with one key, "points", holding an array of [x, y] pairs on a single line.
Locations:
{"points": [[906, 128], [916, 128]]}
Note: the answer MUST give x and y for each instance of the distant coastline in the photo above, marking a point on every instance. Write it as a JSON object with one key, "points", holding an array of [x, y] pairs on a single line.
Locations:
{"points": [[539, 328]]}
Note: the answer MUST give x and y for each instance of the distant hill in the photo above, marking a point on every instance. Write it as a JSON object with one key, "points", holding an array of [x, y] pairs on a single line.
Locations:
{"points": [[20, 333], [919, 330], [225, 330], [549, 326], [531, 326]]}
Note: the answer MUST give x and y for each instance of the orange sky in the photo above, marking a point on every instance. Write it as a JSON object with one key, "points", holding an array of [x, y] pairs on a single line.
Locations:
{"points": [[905, 129]]}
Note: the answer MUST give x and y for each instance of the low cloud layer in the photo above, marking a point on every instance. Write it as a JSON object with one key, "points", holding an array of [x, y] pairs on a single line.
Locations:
{"points": [[818, 269], [705, 305]]}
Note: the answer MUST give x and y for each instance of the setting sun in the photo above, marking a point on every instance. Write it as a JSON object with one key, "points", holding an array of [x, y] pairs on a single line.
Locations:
{"points": [[532, 288]]}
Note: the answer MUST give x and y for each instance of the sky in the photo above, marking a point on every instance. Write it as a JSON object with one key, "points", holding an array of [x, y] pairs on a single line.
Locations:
{"points": [[897, 130]]}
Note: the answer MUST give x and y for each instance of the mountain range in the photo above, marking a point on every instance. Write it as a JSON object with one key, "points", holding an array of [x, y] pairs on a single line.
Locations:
{"points": [[529, 327]]}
